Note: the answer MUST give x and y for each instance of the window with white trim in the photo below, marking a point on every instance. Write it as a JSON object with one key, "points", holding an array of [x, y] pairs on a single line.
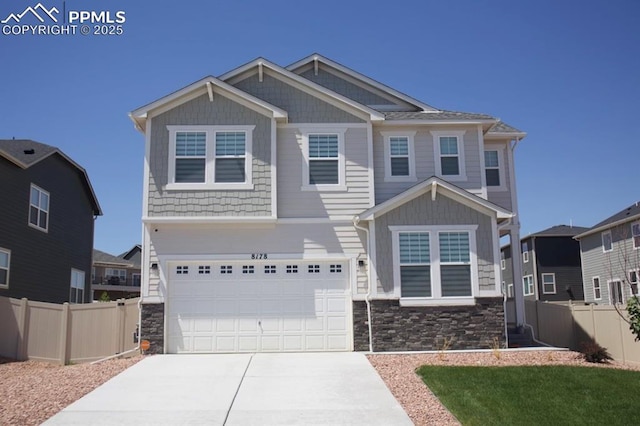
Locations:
{"points": [[5, 263], [597, 292], [210, 157], [510, 290], [492, 168], [399, 156], [616, 292], [449, 153], [77, 286], [120, 274], [607, 241], [548, 283], [525, 252], [527, 285], [634, 280], [434, 263], [503, 262], [635, 234], [39, 208], [324, 163]]}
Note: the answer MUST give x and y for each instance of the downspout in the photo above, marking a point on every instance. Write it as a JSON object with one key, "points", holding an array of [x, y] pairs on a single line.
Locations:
{"points": [[367, 299], [504, 295]]}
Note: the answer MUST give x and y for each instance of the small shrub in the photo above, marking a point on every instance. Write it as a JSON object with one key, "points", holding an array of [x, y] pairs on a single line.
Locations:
{"points": [[593, 352], [495, 348], [445, 346], [633, 309]]}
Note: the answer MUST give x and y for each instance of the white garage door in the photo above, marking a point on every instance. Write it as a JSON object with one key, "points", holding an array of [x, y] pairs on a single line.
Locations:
{"points": [[258, 307]]}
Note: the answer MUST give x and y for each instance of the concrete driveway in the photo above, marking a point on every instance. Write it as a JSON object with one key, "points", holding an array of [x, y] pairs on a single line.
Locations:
{"points": [[243, 389]]}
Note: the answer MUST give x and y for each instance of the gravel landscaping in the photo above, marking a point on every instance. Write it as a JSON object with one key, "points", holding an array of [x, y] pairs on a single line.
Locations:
{"points": [[398, 372], [31, 392]]}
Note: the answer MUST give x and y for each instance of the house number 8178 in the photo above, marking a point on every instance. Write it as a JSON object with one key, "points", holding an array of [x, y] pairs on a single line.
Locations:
{"points": [[259, 256]]}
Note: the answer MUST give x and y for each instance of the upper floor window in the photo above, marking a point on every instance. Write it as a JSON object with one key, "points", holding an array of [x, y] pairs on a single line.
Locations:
{"points": [[549, 283], [39, 208], [323, 167], [449, 154], [525, 252], [399, 156], [607, 241], [77, 286], [503, 262], [494, 169], [635, 234], [434, 263], [210, 157], [5, 261], [115, 276], [527, 285], [597, 292]]}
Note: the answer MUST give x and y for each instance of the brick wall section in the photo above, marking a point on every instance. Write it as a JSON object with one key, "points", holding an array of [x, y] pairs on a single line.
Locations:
{"points": [[152, 327], [398, 328]]}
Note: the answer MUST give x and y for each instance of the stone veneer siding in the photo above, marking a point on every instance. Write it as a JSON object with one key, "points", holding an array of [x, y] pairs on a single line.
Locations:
{"points": [[152, 327], [425, 328]]}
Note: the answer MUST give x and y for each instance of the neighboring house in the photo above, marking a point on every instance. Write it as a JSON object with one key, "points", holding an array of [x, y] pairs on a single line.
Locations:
{"points": [[118, 276], [550, 265], [610, 253], [47, 214], [311, 208]]}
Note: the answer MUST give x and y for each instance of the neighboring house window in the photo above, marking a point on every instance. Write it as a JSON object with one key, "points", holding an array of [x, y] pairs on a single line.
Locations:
{"points": [[210, 157], [399, 156], [77, 286], [493, 169], [607, 241], [116, 276], [549, 283], [434, 263], [503, 262], [525, 252], [633, 280], [635, 234], [449, 153], [230, 156], [527, 285], [136, 280], [510, 290], [5, 263], [616, 292], [39, 208], [597, 292]]}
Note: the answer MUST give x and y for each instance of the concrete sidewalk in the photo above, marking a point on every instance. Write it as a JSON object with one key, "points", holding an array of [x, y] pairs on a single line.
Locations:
{"points": [[241, 389]]}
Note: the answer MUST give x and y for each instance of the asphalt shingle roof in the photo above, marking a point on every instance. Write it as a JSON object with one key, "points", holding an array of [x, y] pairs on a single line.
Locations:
{"points": [[560, 231], [628, 213], [103, 257], [26, 151], [502, 127], [435, 115]]}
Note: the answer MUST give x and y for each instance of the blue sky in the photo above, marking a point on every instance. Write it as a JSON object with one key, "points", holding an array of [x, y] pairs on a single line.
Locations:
{"points": [[565, 72]]}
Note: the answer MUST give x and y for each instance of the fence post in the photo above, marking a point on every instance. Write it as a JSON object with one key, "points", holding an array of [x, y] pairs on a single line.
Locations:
{"points": [[64, 332], [23, 329], [624, 357]]}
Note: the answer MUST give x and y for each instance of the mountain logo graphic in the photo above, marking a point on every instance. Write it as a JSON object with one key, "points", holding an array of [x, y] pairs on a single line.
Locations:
{"points": [[34, 11]]}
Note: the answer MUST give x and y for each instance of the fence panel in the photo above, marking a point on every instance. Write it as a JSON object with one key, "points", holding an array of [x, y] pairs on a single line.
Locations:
{"points": [[44, 331], [10, 330]]}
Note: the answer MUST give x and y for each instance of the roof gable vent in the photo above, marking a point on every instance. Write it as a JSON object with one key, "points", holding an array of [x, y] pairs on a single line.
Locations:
{"points": [[30, 151]]}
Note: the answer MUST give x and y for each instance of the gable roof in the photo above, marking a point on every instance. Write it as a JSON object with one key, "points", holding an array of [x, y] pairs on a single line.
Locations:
{"points": [[361, 77], [262, 63], [104, 258], [559, 231], [26, 153], [434, 184], [502, 130], [629, 214], [212, 85]]}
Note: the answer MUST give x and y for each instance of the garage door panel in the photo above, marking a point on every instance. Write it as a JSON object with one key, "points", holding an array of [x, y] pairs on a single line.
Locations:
{"points": [[281, 306]]}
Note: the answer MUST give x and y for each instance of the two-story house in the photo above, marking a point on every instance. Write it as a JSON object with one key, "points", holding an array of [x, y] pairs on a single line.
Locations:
{"points": [[610, 252], [551, 269], [47, 215], [311, 208], [116, 276]]}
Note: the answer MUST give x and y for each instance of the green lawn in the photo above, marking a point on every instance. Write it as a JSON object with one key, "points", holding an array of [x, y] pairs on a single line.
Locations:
{"points": [[551, 395]]}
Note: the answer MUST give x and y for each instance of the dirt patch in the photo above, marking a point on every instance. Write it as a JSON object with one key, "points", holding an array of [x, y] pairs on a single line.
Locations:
{"points": [[31, 392]]}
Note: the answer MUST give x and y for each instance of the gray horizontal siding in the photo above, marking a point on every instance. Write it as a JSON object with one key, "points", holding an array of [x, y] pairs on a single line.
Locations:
{"points": [[300, 106], [501, 198], [200, 111]]}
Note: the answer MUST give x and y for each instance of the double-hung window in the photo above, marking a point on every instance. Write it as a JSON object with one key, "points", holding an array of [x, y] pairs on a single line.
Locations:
{"points": [[525, 252], [549, 283], [434, 265], [5, 262], [634, 280], [449, 154], [635, 234], [597, 291], [115, 276], [323, 166], [77, 286], [39, 208], [399, 156], [210, 157], [607, 241], [527, 285], [494, 170]]}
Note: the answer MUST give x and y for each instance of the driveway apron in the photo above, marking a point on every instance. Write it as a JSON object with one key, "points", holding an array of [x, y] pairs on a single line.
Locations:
{"points": [[241, 389]]}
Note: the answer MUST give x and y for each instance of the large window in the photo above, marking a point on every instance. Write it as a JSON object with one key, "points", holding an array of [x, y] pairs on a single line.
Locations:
{"points": [[77, 286], [635, 234], [39, 208], [210, 157], [549, 283], [527, 285], [115, 276], [607, 241], [5, 263], [449, 152], [399, 156], [597, 291], [434, 264]]}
